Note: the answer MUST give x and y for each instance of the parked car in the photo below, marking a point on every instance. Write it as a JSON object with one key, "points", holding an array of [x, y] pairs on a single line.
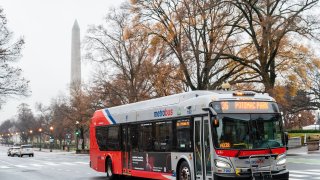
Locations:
{"points": [[26, 150], [15, 151], [9, 151]]}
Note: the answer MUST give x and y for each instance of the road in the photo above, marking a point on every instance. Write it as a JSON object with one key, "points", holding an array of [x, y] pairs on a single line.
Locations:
{"points": [[304, 167], [68, 166], [46, 165]]}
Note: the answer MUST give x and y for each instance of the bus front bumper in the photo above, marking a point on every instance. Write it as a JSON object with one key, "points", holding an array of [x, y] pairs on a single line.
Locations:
{"points": [[282, 175]]}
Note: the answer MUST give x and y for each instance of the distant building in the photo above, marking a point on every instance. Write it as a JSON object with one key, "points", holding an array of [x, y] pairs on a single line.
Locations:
{"points": [[75, 80], [312, 127]]}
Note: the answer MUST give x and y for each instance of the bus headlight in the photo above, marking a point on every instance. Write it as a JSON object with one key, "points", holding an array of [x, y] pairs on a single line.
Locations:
{"points": [[281, 160], [222, 164]]}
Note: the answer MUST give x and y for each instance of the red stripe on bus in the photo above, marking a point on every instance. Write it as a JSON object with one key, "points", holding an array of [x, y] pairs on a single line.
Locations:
{"points": [[237, 153], [279, 150]]}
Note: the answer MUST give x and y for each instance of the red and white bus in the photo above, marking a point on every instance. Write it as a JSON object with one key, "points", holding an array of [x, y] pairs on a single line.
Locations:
{"points": [[202, 135]]}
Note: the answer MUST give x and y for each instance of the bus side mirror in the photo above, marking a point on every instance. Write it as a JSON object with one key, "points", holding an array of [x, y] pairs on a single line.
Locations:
{"points": [[215, 122]]}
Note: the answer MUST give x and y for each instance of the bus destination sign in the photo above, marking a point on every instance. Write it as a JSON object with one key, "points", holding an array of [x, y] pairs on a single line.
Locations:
{"points": [[245, 106]]}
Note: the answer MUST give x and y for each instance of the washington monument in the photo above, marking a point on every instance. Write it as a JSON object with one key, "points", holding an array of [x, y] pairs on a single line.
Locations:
{"points": [[75, 56]]}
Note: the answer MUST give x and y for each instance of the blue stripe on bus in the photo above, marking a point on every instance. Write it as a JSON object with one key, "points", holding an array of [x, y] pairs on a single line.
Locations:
{"points": [[110, 117]]}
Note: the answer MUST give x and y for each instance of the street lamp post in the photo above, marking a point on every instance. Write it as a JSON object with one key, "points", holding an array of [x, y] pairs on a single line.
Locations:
{"points": [[77, 125], [318, 119], [299, 119], [51, 138], [40, 130], [31, 138]]}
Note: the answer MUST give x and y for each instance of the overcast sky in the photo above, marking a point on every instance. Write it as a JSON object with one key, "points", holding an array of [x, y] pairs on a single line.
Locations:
{"points": [[46, 26]]}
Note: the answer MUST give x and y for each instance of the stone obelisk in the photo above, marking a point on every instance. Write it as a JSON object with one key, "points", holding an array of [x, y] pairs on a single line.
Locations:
{"points": [[75, 57]]}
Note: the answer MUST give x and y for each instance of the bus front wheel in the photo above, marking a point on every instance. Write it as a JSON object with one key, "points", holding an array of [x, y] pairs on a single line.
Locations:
{"points": [[184, 171], [109, 169]]}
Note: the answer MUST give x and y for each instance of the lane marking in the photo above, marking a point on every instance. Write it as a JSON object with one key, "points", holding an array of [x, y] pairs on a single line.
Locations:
{"points": [[51, 164], [4, 167], [36, 165], [298, 175], [20, 166], [82, 163], [305, 172], [68, 163]]}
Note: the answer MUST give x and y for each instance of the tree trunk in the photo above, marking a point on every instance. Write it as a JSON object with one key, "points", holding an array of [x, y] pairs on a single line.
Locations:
{"points": [[82, 137]]}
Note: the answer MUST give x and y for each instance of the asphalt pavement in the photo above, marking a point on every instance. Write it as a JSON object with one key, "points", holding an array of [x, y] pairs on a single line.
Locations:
{"points": [[62, 165], [303, 164], [45, 165]]}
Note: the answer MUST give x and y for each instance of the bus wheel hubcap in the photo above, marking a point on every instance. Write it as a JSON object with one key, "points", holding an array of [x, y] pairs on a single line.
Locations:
{"points": [[185, 174], [109, 171]]}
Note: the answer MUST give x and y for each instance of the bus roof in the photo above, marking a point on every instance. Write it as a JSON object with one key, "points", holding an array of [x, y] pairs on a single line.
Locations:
{"points": [[183, 104]]}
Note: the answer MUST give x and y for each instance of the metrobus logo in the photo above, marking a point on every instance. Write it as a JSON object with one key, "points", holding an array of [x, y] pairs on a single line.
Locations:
{"points": [[163, 113]]}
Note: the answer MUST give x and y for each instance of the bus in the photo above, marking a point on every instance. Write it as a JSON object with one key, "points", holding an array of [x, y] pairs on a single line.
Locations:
{"points": [[205, 135]]}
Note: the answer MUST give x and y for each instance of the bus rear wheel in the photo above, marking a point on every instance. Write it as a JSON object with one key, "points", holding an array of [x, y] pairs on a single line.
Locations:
{"points": [[109, 169], [184, 171]]}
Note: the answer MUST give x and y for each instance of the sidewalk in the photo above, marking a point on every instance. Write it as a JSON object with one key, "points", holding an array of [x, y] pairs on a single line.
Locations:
{"points": [[56, 151], [301, 151]]}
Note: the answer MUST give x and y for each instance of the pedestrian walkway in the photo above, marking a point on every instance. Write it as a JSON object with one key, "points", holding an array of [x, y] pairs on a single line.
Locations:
{"points": [[301, 151], [54, 151]]}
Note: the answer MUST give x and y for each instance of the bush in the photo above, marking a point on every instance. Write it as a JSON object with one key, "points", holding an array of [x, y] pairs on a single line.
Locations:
{"points": [[304, 131]]}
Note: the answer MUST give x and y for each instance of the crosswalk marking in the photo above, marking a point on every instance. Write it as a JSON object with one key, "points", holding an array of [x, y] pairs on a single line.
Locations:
{"points": [[313, 170], [4, 167], [51, 164], [82, 162], [297, 175], [44, 164], [67, 163], [306, 174], [36, 165], [20, 166]]}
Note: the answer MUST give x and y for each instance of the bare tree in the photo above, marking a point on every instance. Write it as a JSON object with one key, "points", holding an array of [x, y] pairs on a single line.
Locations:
{"points": [[4, 129], [197, 33], [124, 49], [80, 108], [11, 82], [128, 57], [25, 122], [270, 30], [44, 116], [60, 115]]}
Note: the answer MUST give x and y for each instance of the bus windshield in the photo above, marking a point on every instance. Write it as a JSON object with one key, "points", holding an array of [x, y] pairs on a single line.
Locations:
{"points": [[248, 131]]}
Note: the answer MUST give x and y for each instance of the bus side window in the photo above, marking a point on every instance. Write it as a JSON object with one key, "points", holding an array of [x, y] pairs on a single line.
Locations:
{"points": [[163, 136], [101, 135], [183, 135], [113, 140], [133, 128], [146, 140]]}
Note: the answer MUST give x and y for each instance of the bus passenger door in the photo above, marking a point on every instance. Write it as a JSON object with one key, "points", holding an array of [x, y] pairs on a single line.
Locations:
{"points": [[202, 148], [125, 150]]}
